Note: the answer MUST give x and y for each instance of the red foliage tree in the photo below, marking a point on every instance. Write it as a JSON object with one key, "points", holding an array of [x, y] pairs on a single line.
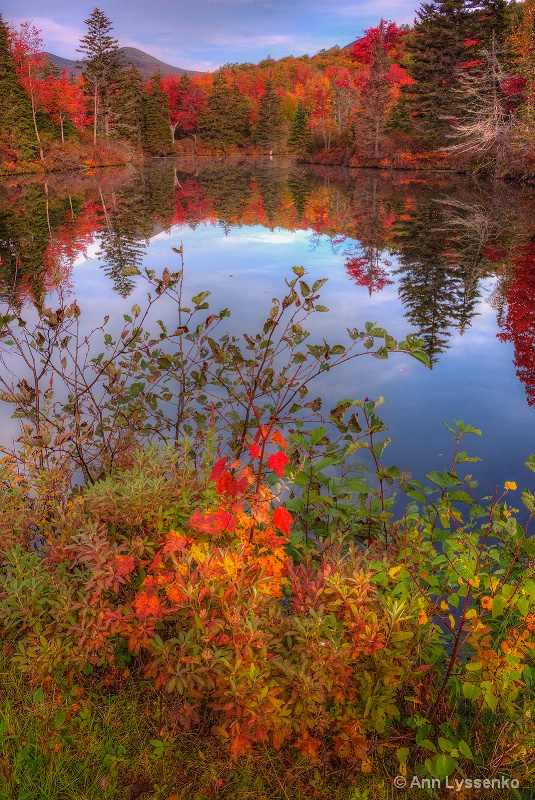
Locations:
{"points": [[519, 326]]}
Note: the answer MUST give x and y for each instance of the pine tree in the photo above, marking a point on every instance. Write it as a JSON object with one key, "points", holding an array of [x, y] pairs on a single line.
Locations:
{"points": [[102, 65], [269, 131], [225, 119], [300, 140], [16, 123]]}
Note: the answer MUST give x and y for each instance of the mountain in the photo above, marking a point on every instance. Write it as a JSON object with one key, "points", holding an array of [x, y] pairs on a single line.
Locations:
{"points": [[145, 63]]}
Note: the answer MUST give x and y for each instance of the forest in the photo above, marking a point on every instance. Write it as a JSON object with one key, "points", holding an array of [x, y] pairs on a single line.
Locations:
{"points": [[454, 91]]}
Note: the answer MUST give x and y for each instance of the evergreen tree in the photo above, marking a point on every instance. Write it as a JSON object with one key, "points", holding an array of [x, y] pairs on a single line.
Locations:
{"points": [[300, 140], [17, 137], [269, 131], [156, 140], [443, 40], [225, 119], [431, 285], [121, 247], [443, 50], [130, 107], [102, 65]]}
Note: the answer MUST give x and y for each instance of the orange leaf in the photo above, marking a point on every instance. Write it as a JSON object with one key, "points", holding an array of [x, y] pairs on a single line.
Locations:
{"points": [[147, 605], [278, 438]]}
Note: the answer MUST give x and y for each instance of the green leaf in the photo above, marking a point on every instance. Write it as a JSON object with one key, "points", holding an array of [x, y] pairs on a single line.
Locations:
{"points": [[381, 353], [200, 297], [321, 308], [317, 435], [464, 749], [128, 271], [461, 495], [443, 480], [420, 355], [463, 457], [441, 766]]}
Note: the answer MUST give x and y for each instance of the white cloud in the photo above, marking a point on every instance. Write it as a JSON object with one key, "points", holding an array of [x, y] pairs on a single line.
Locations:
{"points": [[57, 38]]}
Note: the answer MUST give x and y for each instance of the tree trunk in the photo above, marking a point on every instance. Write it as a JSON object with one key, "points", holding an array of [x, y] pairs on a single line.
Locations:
{"points": [[95, 112]]}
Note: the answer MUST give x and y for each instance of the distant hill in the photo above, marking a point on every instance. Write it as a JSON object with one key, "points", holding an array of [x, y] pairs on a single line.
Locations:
{"points": [[146, 64]]}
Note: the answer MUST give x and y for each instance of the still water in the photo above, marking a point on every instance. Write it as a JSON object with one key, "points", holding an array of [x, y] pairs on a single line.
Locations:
{"points": [[436, 255]]}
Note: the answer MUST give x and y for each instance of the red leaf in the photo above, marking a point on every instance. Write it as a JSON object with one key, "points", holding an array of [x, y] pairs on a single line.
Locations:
{"points": [[282, 519], [218, 469], [124, 565], [254, 450], [212, 522], [277, 462], [231, 487]]}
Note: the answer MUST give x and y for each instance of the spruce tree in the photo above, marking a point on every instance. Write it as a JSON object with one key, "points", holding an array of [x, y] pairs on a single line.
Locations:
{"points": [[300, 140], [16, 122], [156, 140], [225, 120], [269, 130], [436, 49], [130, 107], [102, 65]]}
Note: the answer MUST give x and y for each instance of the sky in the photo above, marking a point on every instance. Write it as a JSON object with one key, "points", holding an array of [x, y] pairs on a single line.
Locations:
{"points": [[205, 34]]}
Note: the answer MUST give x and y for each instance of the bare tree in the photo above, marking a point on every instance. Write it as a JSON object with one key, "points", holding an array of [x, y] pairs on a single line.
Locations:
{"points": [[484, 130]]}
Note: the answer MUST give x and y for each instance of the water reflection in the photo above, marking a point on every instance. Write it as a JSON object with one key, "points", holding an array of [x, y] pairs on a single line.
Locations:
{"points": [[437, 238]]}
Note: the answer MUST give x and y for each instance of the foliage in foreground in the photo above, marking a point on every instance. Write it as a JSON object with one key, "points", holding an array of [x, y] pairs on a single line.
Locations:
{"points": [[248, 580]]}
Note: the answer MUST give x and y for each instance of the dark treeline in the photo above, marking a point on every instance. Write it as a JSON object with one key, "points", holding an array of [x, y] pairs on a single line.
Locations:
{"points": [[456, 90]]}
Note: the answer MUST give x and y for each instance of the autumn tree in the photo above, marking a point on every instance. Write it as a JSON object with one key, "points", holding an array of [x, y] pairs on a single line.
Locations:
{"points": [[102, 64], [377, 93], [27, 50]]}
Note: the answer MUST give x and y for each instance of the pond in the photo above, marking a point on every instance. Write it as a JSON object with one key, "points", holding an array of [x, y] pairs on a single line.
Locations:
{"points": [[439, 255]]}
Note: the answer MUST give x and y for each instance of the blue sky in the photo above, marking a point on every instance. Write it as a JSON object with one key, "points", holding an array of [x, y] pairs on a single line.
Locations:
{"points": [[204, 34]]}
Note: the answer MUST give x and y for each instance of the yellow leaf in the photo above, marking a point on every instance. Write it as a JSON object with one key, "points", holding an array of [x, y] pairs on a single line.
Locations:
{"points": [[402, 769], [471, 613], [394, 571], [423, 618], [366, 765], [474, 582], [509, 485], [452, 620], [444, 606], [486, 602]]}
